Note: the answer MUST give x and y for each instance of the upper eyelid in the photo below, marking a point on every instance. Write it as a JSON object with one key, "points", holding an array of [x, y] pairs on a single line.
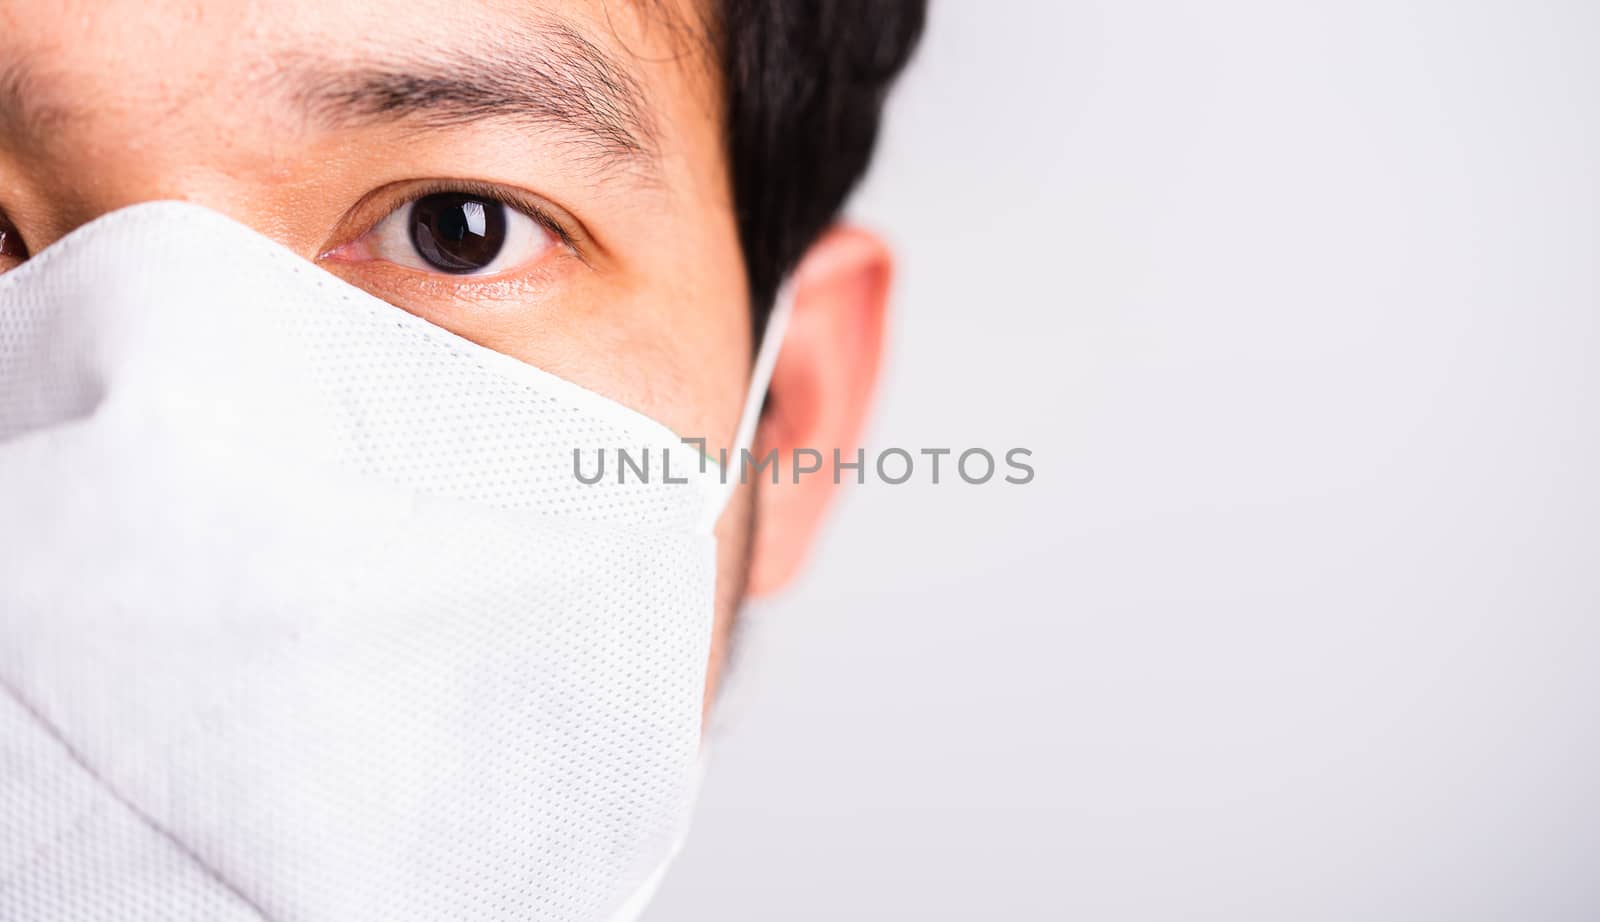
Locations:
{"points": [[572, 236], [505, 195]]}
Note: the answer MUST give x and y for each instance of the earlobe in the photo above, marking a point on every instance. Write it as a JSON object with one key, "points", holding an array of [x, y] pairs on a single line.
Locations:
{"points": [[820, 394]]}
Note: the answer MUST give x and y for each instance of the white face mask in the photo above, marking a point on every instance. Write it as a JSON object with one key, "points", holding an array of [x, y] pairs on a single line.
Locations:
{"points": [[304, 613]]}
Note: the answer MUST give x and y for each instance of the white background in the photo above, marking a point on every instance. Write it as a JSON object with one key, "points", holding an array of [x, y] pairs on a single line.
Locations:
{"points": [[1296, 306]]}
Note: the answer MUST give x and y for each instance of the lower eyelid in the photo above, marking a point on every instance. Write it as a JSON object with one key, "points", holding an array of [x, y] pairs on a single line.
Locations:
{"points": [[461, 302]]}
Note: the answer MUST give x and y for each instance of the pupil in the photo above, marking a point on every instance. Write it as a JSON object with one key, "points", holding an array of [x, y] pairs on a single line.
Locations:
{"points": [[457, 233]]}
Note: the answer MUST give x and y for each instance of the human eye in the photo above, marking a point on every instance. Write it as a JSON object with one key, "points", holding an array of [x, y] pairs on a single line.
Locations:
{"points": [[458, 231], [12, 250]]}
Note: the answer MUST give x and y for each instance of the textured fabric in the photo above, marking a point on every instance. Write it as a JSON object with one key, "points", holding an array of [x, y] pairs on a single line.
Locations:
{"points": [[304, 613]]}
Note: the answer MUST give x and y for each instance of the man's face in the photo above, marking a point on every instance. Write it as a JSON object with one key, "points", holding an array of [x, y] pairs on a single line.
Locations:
{"points": [[312, 121]]}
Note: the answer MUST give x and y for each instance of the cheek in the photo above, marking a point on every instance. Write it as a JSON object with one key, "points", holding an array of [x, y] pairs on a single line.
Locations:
{"points": [[708, 335], [680, 358]]}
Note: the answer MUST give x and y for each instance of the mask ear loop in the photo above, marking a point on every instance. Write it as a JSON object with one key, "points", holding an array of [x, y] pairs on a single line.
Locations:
{"points": [[755, 397]]}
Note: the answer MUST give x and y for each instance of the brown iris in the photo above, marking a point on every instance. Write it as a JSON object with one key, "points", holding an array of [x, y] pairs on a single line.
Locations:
{"points": [[456, 232]]}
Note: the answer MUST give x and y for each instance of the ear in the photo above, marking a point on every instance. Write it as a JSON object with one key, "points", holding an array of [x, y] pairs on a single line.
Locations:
{"points": [[821, 388]]}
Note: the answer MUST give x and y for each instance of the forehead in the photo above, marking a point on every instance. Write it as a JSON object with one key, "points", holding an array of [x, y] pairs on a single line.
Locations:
{"points": [[213, 32]]}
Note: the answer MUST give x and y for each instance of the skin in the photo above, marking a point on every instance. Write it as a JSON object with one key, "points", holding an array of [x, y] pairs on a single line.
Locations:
{"points": [[227, 104]]}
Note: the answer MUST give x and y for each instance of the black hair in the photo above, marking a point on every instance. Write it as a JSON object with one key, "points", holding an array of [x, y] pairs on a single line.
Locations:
{"points": [[805, 83]]}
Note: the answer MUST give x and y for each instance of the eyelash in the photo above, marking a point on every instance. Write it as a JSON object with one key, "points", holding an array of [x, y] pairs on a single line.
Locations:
{"points": [[510, 198]]}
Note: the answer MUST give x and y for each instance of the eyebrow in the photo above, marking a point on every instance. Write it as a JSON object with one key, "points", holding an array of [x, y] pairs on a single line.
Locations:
{"points": [[551, 77], [548, 76]]}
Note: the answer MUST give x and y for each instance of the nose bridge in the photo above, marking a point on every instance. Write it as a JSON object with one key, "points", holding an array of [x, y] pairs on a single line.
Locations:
{"points": [[113, 168], [82, 137]]}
